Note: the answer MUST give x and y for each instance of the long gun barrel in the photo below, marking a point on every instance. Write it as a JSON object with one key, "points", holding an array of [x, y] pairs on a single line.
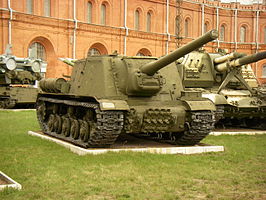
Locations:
{"points": [[153, 67], [248, 59], [239, 61], [68, 61], [227, 57]]}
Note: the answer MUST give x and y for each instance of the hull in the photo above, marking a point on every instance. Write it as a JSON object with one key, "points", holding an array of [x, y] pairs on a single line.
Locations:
{"points": [[11, 97], [82, 121], [240, 108]]}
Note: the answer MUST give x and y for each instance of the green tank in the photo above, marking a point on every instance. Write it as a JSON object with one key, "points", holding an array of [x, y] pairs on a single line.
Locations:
{"points": [[18, 78], [113, 94], [229, 82]]}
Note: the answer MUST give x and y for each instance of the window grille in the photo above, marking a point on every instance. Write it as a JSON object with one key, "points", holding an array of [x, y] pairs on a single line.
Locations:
{"points": [[177, 26], [47, 8], [186, 27], [103, 14], [89, 12], [264, 35], [222, 33], [37, 51], [148, 22], [94, 51], [264, 71], [137, 20], [30, 6], [243, 33], [206, 27]]}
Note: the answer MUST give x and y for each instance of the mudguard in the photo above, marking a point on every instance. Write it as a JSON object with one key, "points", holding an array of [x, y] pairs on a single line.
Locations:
{"points": [[200, 105], [217, 99]]}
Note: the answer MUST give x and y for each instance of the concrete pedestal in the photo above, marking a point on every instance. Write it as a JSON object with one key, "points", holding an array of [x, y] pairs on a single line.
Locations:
{"points": [[237, 132], [130, 143], [7, 182]]}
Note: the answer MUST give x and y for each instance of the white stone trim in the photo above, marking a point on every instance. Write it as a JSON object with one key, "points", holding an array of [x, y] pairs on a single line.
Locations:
{"points": [[13, 183], [157, 150]]}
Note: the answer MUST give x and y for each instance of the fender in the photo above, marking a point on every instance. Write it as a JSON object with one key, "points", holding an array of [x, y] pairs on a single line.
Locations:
{"points": [[217, 99], [200, 105]]}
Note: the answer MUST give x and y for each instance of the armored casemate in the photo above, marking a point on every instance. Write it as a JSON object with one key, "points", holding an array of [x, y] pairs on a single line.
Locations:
{"points": [[226, 79], [113, 94], [18, 78]]}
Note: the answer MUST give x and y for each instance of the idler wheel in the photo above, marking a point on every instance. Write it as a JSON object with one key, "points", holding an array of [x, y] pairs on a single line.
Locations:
{"points": [[41, 110], [50, 123], [74, 130], [65, 126], [58, 124], [84, 130]]}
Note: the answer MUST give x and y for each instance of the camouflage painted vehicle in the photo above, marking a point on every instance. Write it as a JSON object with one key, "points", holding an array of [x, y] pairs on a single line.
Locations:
{"points": [[229, 82], [113, 94], [18, 78]]}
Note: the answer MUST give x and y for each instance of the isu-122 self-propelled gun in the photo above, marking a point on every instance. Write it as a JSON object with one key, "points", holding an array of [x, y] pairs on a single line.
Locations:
{"points": [[229, 82], [112, 94]]}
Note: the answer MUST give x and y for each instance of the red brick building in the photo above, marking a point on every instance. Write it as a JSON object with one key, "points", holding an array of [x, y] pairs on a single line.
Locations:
{"points": [[51, 29]]}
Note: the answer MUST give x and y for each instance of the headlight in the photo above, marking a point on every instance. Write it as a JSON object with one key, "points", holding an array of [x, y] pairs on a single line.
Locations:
{"points": [[108, 105], [36, 66], [11, 64]]}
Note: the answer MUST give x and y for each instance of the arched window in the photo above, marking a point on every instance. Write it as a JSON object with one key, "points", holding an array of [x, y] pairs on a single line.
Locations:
{"points": [[103, 14], [187, 27], [177, 26], [89, 12], [264, 35], [30, 6], [47, 8], [264, 71], [148, 22], [137, 20], [93, 51], [37, 50], [144, 52], [222, 33], [243, 34], [97, 49], [206, 27], [140, 54]]}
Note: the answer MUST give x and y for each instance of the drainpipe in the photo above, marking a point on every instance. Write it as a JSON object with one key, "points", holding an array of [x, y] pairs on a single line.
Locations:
{"points": [[75, 29], [125, 26], [257, 38], [202, 18], [10, 22], [167, 27], [235, 29], [217, 25]]}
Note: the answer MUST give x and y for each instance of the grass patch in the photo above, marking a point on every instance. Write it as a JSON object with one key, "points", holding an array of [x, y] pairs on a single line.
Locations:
{"points": [[49, 171]]}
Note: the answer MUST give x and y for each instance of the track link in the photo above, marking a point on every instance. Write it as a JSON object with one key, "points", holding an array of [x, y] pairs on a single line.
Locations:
{"points": [[101, 131], [202, 122], [199, 124]]}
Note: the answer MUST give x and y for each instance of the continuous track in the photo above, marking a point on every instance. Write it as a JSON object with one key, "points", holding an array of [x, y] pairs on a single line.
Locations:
{"points": [[7, 103], [84, 124], [92, 128], [200, 125]]}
